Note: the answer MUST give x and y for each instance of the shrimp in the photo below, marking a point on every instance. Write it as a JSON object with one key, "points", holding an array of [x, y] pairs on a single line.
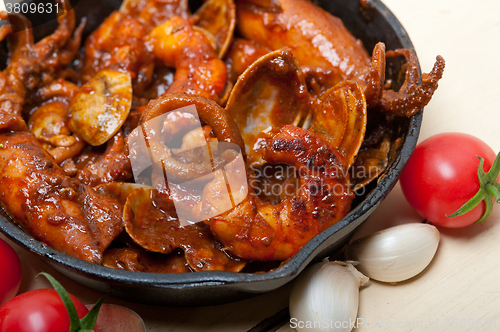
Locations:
{"points": [[177, 43], [241, 54], [257, 230], [133, 22], [151, 13], [128, 53]]}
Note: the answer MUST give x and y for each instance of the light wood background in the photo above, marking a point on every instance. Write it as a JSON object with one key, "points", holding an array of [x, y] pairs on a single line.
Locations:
{"points": [[460, 290]]}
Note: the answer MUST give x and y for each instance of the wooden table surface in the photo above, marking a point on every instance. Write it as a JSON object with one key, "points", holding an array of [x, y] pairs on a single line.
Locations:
{"points": [[459, 291]]}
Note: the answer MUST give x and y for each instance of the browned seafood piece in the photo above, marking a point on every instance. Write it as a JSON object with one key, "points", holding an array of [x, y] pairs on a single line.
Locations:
{"points": [[208, 112], [219, 18], [151, 13], [241, 55], [49, 125], [371, 162], [119, 191], [192, 52], [375, 80], [321, 79], [60, 89], [63, 153], [257, 230], [151, 221], [118, 44], [101, 106], [340, 119], [412, 97], [52, 207], [140, 260], [72, 47], [49, 121], [270, 93], [318, 38], [27, 62], [112, 165]]}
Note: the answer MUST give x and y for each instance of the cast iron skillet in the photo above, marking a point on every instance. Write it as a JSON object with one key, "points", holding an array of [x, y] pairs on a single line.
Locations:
{"points": [[372, 24]]}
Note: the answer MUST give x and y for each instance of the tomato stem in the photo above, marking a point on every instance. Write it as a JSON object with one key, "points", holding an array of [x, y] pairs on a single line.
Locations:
{"points": [[74, 321], [87, 323], [493, 191], [490, 189]]}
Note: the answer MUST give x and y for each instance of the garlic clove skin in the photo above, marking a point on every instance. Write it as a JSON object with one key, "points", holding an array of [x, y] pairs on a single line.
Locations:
{"points": [[325, 298], [395, 254]]}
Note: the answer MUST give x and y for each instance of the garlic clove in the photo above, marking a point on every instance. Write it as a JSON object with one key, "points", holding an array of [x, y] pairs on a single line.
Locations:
{"points": [[325, 298], [395, 254]]}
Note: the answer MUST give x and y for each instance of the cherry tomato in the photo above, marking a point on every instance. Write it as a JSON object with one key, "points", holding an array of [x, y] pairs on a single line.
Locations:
{"points": [[441, 176], [40, 310], [11, 272]]}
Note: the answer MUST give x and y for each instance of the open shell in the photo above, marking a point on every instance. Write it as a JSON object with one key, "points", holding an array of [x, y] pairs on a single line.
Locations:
{"points": [[151, 221], [270, 93], [340, 119], [101, 106], [219, 18]]}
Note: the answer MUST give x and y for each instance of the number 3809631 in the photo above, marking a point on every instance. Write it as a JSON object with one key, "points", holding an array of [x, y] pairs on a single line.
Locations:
{"points": [[33, 8]]}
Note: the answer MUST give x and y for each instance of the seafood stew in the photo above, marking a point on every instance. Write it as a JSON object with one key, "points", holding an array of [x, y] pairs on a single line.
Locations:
{"points": [[305, 124]]}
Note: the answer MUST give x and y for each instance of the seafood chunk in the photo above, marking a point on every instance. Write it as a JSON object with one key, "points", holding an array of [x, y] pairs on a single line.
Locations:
{"points": [[49, 125], [29, 63], [193, 54], [242, 54], [112, 165], [320, 40], [271, 93], [151, 221], [103, 50], [256, 230], [412, 97], [53, 208], [316, 37]]}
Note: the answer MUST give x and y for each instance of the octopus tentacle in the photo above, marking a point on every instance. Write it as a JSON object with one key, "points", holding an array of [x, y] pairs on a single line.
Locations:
{"points": [[411, 97], [72, 47], [375, 85]]}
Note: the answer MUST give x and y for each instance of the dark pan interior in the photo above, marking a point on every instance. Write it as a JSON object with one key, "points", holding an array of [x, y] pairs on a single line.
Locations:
{"points": [[372, 24]]}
